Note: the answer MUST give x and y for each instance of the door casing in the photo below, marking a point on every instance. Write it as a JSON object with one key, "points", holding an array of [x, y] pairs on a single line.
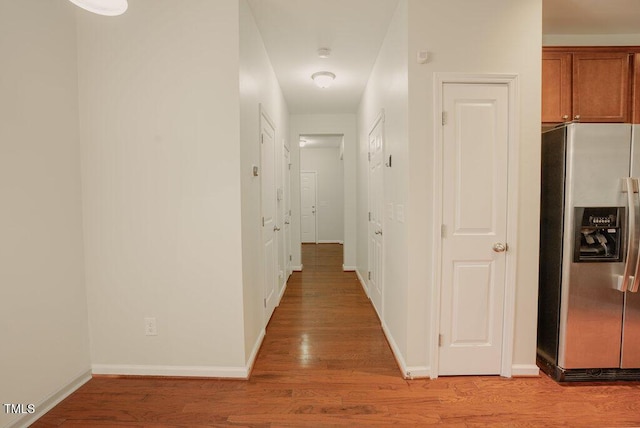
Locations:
{"points": [[511, 80], [313, 174]]}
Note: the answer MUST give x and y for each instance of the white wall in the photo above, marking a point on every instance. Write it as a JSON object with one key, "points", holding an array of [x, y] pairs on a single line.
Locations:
{"points": [[330, 191], [43, 308], [492, 36], [159, 130], [387, 90], [325, 124], [258, 87]]}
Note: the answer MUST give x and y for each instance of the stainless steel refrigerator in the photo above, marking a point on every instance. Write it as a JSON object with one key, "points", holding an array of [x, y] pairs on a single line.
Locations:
{"points": [[589, 305]]}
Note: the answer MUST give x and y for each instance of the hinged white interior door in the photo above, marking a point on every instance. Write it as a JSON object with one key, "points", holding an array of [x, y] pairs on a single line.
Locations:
{"points": [[269, 204], [376, 212], [475, 167], [287, 212]]}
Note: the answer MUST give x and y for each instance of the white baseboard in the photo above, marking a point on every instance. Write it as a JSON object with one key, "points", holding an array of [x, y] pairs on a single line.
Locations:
{"points": [[362, 283], [348, 268], [329, 241], [525, 370], [254, 352], [52, 400], [283, 288], [296, 268], [186, 371], [408, 372]]}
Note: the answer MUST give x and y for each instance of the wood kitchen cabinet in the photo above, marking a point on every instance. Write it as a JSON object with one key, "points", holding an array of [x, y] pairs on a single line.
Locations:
{"points": [[601, 87], [588, 85], [635, 86], [556, 87]]}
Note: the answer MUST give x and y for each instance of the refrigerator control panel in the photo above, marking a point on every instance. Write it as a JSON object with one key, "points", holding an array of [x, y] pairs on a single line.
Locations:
{"points": [[599, 234]]}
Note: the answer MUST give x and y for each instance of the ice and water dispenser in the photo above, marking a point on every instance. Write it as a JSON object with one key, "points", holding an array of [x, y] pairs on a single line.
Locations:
{"points": [[599, 234]]}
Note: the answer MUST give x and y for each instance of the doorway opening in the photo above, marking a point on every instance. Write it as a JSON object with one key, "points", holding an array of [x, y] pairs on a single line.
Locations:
{"points": [[322, 188]]}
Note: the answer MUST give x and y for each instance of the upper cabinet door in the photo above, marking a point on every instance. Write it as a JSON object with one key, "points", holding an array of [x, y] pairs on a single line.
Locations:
{"points": [[556, 87], [635, 96], [601, 87]]}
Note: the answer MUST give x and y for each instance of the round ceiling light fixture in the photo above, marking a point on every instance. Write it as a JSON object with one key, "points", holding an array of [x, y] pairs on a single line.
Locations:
{"points": [[323, 79], [103, 7]]}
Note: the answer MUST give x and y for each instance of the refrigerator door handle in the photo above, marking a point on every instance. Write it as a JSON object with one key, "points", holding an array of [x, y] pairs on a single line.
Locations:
{"points": [[627, 281], [633, 285], [635, 281]]}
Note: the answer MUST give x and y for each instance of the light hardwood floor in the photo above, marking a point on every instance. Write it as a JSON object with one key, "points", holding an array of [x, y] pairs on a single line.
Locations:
{"points": [[325, 362]]}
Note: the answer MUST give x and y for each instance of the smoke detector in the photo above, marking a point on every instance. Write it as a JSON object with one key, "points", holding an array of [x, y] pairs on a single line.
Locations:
{"points": [[324, 52]]}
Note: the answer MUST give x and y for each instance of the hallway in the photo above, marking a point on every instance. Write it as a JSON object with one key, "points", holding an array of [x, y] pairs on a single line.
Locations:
{"points": [[325, 362], [324, 322]]}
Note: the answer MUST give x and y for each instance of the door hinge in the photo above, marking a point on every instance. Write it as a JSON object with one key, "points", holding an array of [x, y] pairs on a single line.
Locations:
{"points": [[439, 340], [289, 257], [289, 212], [369, 215], [262, 221], [369, 274], [261, 138], [289, 167], [369, 156], [443, 231], [265, 302], [444, 118]]}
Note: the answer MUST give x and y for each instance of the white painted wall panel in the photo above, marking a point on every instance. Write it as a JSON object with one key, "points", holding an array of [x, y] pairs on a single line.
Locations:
{"points": [[388, 89], [258, 86], [492, 36], [43, 308], [159, 129]]}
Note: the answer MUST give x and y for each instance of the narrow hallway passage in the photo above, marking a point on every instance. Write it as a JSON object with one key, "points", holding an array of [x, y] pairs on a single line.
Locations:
{"points": [[325, 322]]}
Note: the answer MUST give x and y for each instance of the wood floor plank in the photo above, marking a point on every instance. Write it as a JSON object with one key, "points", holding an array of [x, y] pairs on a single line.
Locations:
{"points": [[325, 362]]}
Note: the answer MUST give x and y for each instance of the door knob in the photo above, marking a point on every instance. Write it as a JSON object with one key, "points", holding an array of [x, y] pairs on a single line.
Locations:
{"points": [[378, 232], [276, 228], [499, 247]]}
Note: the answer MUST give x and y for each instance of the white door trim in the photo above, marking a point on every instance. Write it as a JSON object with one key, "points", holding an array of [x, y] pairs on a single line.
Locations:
{"points": [[315, 217], [511, 80]]}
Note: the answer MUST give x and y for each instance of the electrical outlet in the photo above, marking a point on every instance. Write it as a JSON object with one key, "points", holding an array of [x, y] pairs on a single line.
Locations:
{"points": [[150, 327]]}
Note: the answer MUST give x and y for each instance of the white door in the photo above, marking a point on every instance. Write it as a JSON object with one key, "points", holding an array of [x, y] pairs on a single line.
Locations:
{"points": [[308, 207], [376, 164], [475, 161], [287, 211], [269, 226]]}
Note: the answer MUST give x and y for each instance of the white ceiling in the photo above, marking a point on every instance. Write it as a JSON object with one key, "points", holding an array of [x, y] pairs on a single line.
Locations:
{"points": [[293, 31]]}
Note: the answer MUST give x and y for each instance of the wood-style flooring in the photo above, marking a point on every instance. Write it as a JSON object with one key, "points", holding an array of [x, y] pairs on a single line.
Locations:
{"points": [[325, 362]]}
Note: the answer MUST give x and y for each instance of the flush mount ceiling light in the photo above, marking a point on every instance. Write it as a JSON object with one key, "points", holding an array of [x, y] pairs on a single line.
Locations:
{"points": [[103, 7], [323, 79]]}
